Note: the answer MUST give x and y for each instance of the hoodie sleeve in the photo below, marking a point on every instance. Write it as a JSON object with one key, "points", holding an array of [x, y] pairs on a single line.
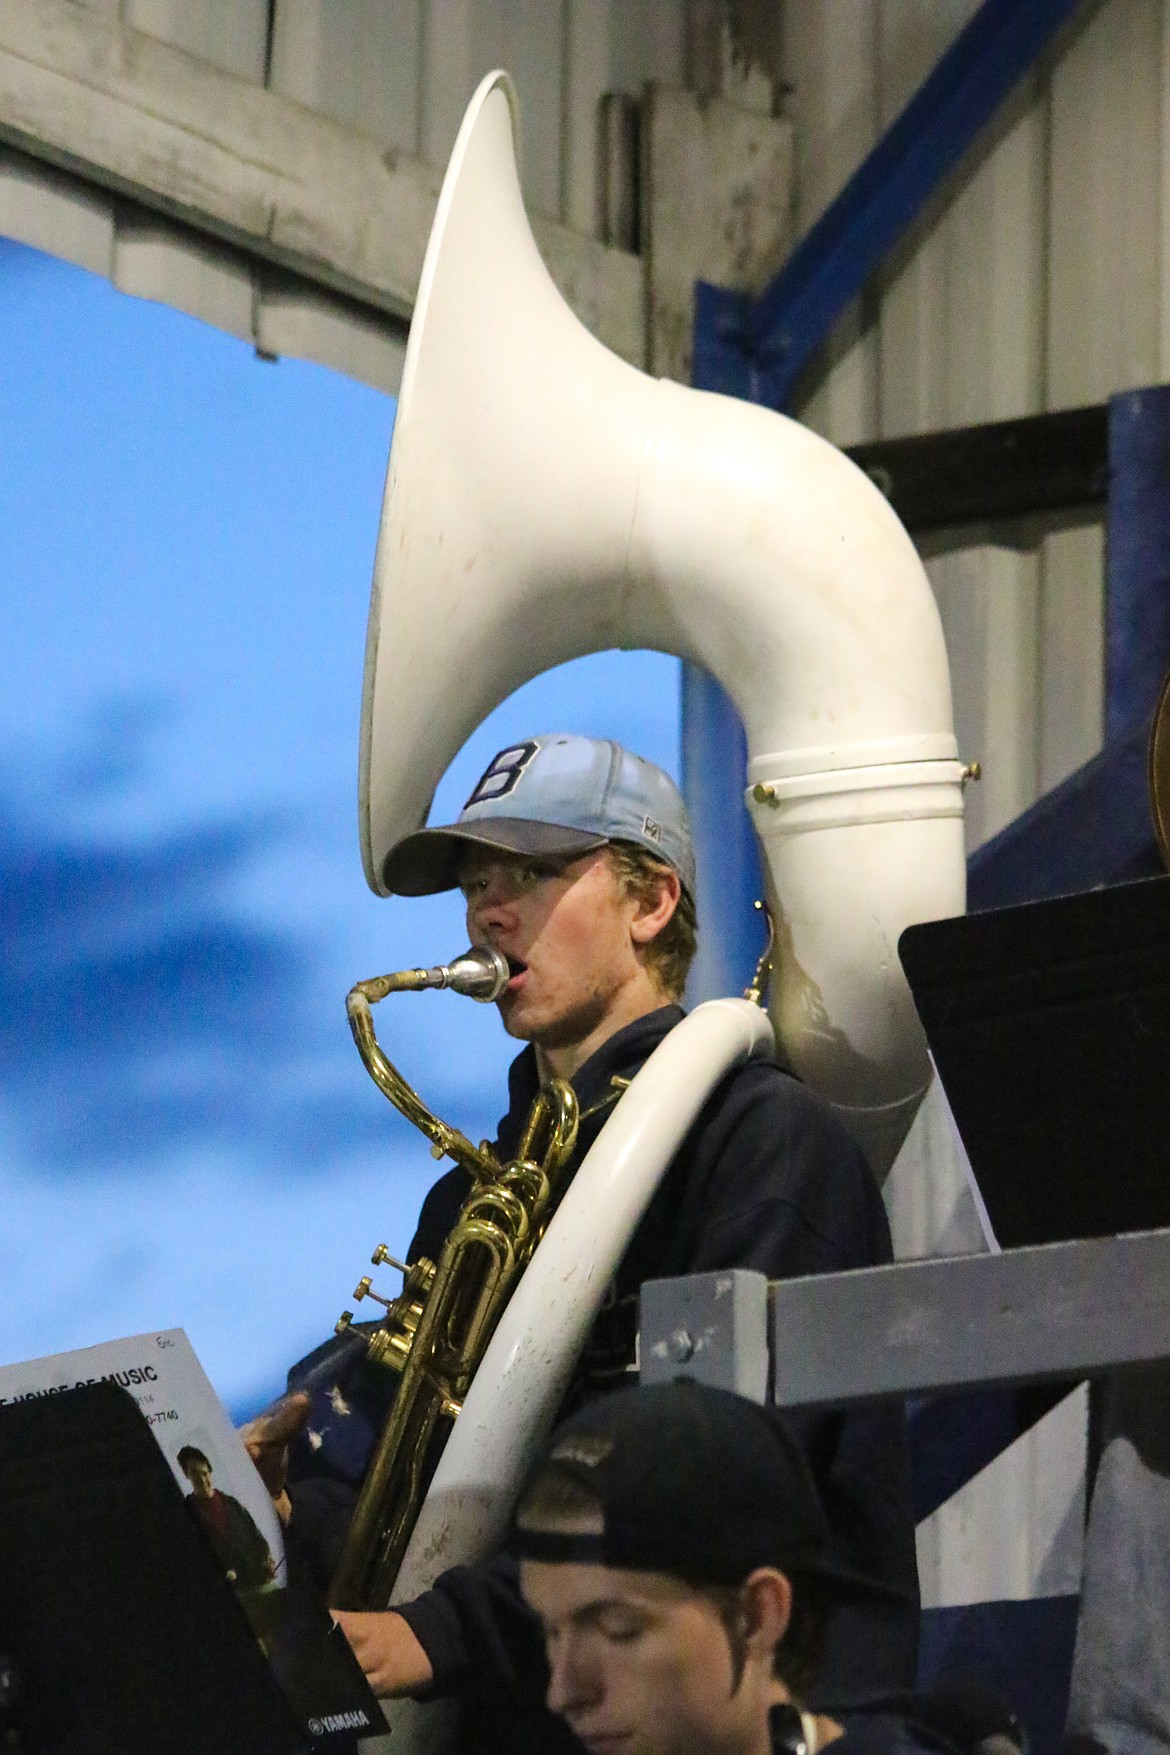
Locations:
{"points": [[483, 1642]]}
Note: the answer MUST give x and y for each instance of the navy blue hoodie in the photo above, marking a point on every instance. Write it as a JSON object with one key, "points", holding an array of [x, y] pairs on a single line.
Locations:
{"points": [[766, 1178]]}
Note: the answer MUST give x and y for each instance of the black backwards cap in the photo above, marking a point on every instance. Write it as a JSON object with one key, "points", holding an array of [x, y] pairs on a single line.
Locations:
{"points": [[695, 1482]]}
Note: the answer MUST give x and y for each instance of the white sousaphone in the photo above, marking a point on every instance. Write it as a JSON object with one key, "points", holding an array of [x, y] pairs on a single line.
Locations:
{"points": [[544, 500]]}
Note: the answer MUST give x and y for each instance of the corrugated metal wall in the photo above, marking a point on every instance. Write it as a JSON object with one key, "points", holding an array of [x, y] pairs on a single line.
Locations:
{"points": [[399, 70]]}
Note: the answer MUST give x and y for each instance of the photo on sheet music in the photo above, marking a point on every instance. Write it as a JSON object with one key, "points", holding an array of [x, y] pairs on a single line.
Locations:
{"points": [[309, 1656]]}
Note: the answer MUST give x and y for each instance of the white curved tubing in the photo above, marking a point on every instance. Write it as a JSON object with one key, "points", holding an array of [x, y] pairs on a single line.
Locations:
{"points": [[527, 1367], [544, 499]]}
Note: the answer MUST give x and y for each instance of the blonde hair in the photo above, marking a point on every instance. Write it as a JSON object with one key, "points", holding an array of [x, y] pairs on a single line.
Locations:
{"points": [[668, 956], [555, 1500]]}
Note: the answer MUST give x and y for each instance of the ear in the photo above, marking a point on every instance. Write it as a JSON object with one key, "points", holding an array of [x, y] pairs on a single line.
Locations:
{"points": [[767, 1608], [648, 922]]}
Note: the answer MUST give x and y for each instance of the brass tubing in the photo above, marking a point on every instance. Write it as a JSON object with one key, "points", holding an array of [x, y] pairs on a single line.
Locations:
{"points": [[452, 1144], [499, 1226], [351, 1584]]}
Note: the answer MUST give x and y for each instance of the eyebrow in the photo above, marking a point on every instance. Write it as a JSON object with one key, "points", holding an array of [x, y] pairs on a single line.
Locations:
{"points": [[597, 1606]]}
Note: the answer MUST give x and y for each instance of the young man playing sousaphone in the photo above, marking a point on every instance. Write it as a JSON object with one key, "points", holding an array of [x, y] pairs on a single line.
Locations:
{"points": [[574, 857]]}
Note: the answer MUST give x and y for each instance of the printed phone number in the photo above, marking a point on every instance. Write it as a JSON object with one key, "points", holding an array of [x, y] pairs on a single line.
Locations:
{"points": [[166, 1414]]}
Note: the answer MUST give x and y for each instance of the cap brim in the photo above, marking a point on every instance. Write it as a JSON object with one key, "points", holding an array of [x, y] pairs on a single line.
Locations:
{"points": [[572, 1547], [429, 860], [557, 1547]]}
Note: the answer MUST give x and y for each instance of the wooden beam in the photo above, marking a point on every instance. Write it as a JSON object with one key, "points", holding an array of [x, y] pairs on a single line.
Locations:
{"points": [[717, 200], [285, 183]]}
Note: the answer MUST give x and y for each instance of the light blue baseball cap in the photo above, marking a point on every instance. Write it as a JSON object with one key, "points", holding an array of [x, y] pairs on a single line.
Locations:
{"points": [[552, 797]]}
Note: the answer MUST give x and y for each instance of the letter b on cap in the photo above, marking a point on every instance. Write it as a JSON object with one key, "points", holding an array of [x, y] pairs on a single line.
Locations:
{"points": [[502, 772]]}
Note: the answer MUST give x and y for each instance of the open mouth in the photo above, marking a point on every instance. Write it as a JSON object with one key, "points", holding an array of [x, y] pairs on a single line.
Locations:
{"points": [[516, 968]]}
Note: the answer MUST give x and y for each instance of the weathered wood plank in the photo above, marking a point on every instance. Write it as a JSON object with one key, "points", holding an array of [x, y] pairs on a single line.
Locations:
{"points": [[243, 163], [718, 202]]}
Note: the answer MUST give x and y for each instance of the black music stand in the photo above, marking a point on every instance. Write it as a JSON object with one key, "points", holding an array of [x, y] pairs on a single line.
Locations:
{"points": [[125, 1637], [1050, 1028]]}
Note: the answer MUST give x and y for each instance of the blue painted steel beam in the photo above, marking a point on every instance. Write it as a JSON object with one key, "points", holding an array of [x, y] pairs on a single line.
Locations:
{"points": [[756, 351], [1096, 828], [1137, 553], [729, 879], [1093, 829], [758, 348]]}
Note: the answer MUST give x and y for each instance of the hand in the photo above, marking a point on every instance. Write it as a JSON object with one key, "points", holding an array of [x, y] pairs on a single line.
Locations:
{"points": [[392, 1658], [267, 1438]]}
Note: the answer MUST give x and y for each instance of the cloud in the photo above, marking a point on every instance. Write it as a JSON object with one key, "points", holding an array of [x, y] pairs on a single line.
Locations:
{"points": [[178, 1090], [140, 1008], [111, 757]]}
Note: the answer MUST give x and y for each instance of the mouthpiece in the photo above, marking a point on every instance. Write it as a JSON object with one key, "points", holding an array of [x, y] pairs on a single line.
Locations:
{"points": [[479, 973]]}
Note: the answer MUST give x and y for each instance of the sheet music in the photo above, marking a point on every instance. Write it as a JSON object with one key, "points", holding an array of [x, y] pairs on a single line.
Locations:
{"points": [[163, 1374], [310, 1658]]}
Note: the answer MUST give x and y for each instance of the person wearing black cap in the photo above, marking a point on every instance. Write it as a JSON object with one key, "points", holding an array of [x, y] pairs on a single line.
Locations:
{"points": [[673, 1546], [575, 861]]}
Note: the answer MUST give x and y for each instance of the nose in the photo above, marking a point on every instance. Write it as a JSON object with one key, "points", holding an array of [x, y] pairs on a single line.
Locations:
{"points": [[574, 1683], [493, 904]]}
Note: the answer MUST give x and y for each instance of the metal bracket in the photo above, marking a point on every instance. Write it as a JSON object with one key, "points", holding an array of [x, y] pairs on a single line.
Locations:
{"points": [[710, 1327]]}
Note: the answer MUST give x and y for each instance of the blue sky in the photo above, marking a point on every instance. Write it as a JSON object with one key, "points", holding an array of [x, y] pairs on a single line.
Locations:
{"points": [[186, 1134]]}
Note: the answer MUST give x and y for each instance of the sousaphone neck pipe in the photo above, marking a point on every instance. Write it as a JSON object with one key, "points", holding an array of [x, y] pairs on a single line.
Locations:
{"points": [[481, 974]]}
